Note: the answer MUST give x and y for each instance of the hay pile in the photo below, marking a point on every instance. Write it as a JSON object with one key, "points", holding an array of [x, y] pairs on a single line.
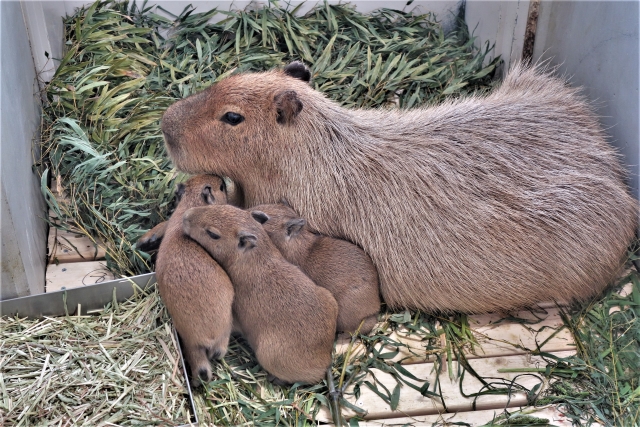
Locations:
{"points": [[119, 367]]}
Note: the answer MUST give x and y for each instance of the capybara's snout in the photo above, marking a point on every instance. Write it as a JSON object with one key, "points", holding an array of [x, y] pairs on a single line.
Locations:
{"points": [[187, 219], [170, 124], [181, 116]]}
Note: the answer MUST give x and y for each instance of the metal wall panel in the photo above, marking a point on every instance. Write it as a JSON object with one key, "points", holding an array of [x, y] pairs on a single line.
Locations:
{"points": [[595, 43], [23, 204]]}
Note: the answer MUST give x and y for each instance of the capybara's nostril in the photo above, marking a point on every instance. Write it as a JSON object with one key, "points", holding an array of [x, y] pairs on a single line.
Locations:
{"points": [[203, 373]]}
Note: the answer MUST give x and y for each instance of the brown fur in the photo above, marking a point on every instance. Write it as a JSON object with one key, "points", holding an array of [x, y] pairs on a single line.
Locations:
{"points": [[150, 241], [337, 265], [195, 289], [288, 321], [478, 204]]}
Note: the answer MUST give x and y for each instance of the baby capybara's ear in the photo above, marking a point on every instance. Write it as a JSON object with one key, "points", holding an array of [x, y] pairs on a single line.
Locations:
{"points": [[180, 191], [295, 226], [246, 240], [298, 70], [207, 195], [288, 106], [260, 216]]}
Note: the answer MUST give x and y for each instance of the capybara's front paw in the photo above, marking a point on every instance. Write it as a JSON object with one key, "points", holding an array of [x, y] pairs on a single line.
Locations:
{"points": [[150, 241]]}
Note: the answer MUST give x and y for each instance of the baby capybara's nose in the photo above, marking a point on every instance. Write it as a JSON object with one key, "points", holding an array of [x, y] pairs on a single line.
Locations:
{"points": [[186, 220]]}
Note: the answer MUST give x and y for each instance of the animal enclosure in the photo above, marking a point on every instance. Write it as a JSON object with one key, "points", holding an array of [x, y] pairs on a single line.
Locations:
{"points": [[412, 368]]}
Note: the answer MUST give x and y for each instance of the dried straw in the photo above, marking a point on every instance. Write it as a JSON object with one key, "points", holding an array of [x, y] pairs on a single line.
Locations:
{"points": [[119, 367]]}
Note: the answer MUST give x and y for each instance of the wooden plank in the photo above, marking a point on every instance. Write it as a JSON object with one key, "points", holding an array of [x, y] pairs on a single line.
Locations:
{"points": [[412, 403], [76, 274], [496, 337], [67, 246], [473, 418], [56, 187]]}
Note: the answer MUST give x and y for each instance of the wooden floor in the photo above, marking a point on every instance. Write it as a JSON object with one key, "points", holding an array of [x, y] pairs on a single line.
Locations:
{"points": [[72, 259], [504, 345]]}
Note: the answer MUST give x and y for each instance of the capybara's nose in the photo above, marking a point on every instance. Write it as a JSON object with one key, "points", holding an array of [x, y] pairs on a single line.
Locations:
{"points": [[170, 125], [186, 221]]}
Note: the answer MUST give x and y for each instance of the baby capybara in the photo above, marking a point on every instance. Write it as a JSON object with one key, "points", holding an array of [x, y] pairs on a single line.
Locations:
{"points": [[288, 321], [337, 265], [478, 204], [195, 289], [150, 241]]}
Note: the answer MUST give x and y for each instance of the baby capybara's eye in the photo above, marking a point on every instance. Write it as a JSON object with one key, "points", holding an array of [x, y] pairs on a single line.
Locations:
{"points": [[232, 118], [213, 234]]}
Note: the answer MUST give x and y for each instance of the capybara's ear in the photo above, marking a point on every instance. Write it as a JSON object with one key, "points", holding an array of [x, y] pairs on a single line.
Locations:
{"points": [[298, 70], [260, 216], [246, 240], [207, 196], [294, 226], [288, 106], [180, 191], [285, 202]]}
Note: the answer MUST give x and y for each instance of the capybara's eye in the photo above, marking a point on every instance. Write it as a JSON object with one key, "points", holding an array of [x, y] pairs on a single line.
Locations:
{"points": [[213, 235], [232, 118]]}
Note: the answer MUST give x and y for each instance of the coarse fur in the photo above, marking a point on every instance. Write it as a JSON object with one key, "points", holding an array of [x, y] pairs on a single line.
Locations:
{"points": [[288, 321], [195, 289], [335, 264], [478, 204]]}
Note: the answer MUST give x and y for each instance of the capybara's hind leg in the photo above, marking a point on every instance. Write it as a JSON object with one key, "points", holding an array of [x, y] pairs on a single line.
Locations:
{"points": [[198, 359], [218, 349], [369, 323], [277, 381]]}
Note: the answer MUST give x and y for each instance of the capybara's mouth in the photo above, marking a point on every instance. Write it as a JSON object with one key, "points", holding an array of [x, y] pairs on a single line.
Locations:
{"points": [[168, 140]]}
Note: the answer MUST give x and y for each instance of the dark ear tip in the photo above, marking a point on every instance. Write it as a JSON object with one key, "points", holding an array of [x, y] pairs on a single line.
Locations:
{"points": [[285, 202], [298, 70], [260, 216]]}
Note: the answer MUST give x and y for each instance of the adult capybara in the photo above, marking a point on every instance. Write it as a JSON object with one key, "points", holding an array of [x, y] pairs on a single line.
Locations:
{"points": [[288, 321], [478, 204], [337, 265], [195, 289]]}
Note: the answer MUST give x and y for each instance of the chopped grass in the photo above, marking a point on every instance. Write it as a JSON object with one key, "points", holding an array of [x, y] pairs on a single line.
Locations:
{"points": [[602, 382], [120, 366]]}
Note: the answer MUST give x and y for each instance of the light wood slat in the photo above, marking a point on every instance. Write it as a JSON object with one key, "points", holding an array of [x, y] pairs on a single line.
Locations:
{"points": [[412, 403], [496, 338], [56, 187], [474, 418], [76, 274], [67, 246]]}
